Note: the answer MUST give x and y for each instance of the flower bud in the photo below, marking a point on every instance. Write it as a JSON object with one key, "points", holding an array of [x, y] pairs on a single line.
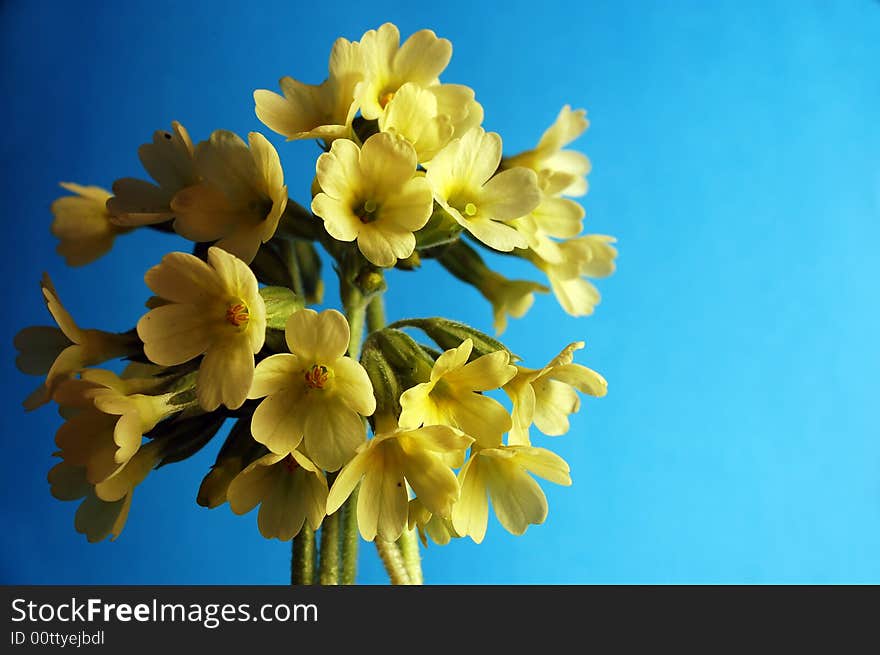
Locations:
{"points": [[410, 362], [386, 386], [235, 454], [441, 228], [281, 302], [451, 334]]}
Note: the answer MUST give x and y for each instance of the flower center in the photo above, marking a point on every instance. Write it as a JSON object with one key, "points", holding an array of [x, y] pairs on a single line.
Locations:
{"points": [[385, 98], [366, 212], [470, 209], [318, 376], [237, 314], [290, 463]]}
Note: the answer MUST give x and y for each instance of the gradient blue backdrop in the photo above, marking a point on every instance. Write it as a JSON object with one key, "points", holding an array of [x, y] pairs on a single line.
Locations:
{"points": [[736, 157]]}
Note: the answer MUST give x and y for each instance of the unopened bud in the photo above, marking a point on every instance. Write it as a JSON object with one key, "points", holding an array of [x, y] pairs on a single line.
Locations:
{"points": [[281, 303], [451, 334], [441, 228]]}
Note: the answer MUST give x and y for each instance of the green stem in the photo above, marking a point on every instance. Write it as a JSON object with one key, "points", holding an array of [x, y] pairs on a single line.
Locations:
{"points": [[302, 565], [356, 312], [376, 313], [409, 549], [329, 574], [350, 539], [393, 561]]}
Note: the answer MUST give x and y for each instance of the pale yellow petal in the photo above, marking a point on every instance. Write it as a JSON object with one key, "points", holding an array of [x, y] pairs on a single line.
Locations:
{"points": [[382, 503], [339, 219], [252, 485], [275, 373], [387, 162], [136, 202], [225, 374], [174, 334], [494, 234], [555, 401], [517, 499], [338, 171], [510, 194], [183, 278], [434, 483], [543, 463], [352, 385], [278, 421], [488, 372], [332, 433], [422, 58], [62, 317], [225, 162], [410, 207], [452, 359], [581, 378], [480, 417], [320, 338], [348, 479], [470, 515], [204, 213]]}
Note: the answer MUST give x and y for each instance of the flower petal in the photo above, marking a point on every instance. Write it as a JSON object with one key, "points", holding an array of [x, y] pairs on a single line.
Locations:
{"points": [[470, 515], [352, 384], [278, 421], [225, 374]]}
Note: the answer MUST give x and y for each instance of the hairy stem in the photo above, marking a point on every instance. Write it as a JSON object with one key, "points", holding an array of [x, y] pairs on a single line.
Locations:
{"points": [[329, 574], [376, 313], [409, 549], [350, 539], [393, 561], [302, 565]]}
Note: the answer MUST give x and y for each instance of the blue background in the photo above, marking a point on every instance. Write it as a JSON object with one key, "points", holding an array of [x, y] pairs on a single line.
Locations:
{"points": [[736, 157]]}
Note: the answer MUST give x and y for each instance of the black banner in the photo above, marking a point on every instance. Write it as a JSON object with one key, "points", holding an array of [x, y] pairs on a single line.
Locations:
{"points": [[373, 619]]}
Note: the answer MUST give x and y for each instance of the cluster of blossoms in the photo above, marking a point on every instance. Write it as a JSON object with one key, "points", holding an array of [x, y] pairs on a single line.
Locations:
{"points": [[407, 173]]}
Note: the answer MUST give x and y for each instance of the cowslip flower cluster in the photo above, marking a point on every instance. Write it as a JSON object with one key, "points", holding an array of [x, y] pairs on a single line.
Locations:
{"points": [[335, 423]]}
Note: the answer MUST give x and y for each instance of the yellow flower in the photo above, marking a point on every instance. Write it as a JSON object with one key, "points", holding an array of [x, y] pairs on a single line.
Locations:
{"points": [[563, 170], [105, 507], [459, 176], [316, 394], [547, 396], [290, 490], [241, 197], [213, 309], [387, 67], [503, 474], [307, 111], [452, 397], [169, 161], [107, 417], [83, 224], [458, 102], [508, 297], [440, 530], [413, 114], [371, 194], [60, 353], [559, 218], [587, 256], [423, 458]]}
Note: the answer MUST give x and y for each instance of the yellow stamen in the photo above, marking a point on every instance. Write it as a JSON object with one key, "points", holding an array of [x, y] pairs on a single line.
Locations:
{"points": [[385, 98], [470, 209], [317, 376], [237, 314]]}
